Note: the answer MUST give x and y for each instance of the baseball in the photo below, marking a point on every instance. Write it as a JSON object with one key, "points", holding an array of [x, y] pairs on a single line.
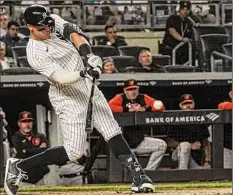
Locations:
{"points": [[157, 104]]}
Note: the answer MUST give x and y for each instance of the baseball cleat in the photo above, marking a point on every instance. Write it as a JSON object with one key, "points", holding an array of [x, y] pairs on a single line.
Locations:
{"points": [[13, 176], [143, 184]]}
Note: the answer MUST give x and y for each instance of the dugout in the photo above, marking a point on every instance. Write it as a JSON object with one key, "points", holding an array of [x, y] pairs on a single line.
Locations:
{"points": [[30, 93]]}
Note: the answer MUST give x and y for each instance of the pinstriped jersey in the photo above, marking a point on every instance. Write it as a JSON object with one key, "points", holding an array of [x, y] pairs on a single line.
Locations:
{"points": [[55, 53]]}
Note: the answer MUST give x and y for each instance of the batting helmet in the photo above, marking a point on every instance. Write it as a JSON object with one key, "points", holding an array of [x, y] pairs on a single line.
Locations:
{"points": [[37, 15]]}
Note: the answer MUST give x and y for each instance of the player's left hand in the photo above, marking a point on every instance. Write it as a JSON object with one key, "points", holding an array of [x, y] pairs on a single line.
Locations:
{"points": [[91, 73], [94, 61]]}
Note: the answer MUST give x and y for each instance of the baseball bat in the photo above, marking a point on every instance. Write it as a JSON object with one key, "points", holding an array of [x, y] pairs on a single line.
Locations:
{"points": [[89, 121]]}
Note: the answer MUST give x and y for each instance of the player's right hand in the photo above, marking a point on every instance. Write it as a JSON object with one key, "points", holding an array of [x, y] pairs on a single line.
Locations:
{"points": [[91, 73]]}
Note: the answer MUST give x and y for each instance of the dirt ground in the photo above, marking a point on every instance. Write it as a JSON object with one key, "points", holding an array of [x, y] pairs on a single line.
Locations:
{"points": [[217, 191]]}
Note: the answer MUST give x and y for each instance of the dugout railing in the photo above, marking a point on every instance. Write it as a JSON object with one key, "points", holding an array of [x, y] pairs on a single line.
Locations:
{"points": [[215, 118]]}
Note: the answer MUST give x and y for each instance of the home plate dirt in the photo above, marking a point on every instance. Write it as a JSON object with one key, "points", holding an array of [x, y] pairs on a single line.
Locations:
{"points": [[204, 191]]}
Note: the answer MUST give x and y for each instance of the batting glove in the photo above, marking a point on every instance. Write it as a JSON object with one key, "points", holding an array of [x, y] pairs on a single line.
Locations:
{"points": [[91, 73], [94, 61]]}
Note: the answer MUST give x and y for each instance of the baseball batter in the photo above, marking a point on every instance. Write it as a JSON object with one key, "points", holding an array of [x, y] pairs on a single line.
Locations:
{"points": [[54, 49]]}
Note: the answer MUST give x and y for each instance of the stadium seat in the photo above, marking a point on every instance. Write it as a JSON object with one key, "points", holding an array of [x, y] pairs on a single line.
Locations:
{"points": [[23, 62], [98, 38], [164, 49], [132, 51], [158, 61], [210, 43], [220, 62], [204, 30], [178, 68], [24, 30], [18, 71], [228, 29], [161, 60], [227, 49], [122, 62], [104, 50], [18, 51]]}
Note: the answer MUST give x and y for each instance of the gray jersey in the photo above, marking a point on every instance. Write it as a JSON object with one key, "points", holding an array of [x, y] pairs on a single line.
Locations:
{"points": [[70, 101]]}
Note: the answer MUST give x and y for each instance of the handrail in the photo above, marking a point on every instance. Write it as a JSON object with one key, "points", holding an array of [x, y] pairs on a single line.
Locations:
{"points": [[149, 23], [174, 54], [218, 54]]}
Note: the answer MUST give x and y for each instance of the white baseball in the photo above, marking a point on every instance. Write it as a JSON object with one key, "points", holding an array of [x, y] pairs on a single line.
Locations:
{"points": [[157, 104]]}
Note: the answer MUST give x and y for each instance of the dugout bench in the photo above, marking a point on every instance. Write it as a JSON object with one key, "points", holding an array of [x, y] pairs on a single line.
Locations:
{"points": [[216, 118]]}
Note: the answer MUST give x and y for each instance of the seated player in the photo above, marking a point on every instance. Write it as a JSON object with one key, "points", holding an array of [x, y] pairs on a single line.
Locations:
{"points": [[188, 141], [133, 101]]}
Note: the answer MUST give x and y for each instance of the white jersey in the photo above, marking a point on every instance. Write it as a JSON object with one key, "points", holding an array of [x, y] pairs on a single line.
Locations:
{"points": [[70, 101], [55, 53]]}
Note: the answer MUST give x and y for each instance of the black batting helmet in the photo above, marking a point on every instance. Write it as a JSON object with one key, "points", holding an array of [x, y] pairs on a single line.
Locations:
{"points": [[38, 15]]}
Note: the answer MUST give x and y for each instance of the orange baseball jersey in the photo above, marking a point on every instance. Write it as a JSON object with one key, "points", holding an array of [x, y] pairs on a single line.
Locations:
{"points": [[225, 105], [120, 103]]}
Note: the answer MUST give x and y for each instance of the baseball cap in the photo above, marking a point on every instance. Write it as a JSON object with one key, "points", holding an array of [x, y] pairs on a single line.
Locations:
{"points": [[25, 115], [130, 84], [186, 98], [184, 4]]}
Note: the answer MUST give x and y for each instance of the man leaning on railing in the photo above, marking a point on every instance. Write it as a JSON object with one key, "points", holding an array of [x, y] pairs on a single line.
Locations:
{"points": [[178, 29]]}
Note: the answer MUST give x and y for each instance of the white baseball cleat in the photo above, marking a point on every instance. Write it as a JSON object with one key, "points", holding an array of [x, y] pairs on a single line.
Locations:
{"points": [[142, 184]]}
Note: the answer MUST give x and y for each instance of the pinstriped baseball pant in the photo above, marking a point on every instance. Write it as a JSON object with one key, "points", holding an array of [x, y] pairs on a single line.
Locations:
{"points": [[70, 104]]}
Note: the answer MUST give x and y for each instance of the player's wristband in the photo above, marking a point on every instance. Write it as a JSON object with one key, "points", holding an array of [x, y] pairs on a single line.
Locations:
{"points": [[85, 51], [82, 73]]}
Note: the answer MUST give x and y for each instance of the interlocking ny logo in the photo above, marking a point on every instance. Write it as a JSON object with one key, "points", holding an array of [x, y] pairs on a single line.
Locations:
{"points": [[212, 116]]}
